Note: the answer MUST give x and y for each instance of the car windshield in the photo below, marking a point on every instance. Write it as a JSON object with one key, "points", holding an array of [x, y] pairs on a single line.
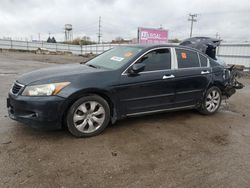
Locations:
{"points": [[114, 58]]}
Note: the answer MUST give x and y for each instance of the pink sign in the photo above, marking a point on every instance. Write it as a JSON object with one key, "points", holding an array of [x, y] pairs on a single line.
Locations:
{"points": [[148, 36]]}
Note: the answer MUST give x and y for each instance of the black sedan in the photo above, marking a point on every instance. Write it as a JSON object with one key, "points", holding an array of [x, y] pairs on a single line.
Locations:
{"points": [[124, 81]]}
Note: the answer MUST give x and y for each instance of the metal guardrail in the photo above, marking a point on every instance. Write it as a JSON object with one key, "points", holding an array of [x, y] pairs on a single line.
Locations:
{"points": [[75, 49], [231, 53]]}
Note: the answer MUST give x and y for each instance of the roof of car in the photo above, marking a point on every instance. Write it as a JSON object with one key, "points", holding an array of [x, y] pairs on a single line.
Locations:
{"points": [[149, 46]]}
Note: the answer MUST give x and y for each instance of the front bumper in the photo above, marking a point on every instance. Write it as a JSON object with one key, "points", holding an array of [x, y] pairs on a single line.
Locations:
{"points": [[37, 112]]}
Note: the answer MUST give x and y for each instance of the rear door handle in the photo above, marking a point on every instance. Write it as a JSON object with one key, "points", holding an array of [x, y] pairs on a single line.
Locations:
{"points": [[168, 77], [205, 72]]}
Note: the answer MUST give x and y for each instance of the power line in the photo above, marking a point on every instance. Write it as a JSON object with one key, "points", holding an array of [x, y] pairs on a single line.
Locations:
{"points": [[192, 19]]}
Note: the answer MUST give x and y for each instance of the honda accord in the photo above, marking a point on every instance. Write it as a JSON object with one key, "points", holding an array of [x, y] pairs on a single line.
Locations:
{"points": [[122, 82]]}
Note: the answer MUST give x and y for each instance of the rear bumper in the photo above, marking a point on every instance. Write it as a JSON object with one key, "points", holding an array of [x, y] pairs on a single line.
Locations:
{"points": [[228, 91], [37, 112]]}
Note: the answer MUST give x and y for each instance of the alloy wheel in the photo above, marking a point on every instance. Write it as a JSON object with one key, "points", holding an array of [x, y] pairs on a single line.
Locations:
{"points": [[213, 101], [89, 117]]}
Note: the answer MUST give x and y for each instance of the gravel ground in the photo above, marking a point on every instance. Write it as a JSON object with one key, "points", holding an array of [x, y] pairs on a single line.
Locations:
{"points": [[179, 149]]}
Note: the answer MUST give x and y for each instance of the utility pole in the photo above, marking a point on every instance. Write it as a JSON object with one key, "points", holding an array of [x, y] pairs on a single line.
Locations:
{"points": [[192, 19], [99, 35]]}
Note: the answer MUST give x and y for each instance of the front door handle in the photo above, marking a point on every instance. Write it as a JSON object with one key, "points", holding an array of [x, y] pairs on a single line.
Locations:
{"points": [[168, 76], [204, 72]]}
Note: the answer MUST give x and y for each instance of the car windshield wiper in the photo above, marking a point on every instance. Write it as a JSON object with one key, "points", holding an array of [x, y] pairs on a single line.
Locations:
{"points": [[93, 66], [96, 67]]}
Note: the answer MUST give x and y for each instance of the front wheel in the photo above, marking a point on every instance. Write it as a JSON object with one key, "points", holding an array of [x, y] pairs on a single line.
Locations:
{"points": [[88, 116], [211, 102]]}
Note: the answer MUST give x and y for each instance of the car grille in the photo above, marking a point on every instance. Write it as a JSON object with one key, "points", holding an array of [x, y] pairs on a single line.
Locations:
{"points": [[16, 88]]}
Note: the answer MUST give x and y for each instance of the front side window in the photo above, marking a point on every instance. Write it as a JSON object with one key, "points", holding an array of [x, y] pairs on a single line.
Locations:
{"points": [[159, 59], [187, 58]]}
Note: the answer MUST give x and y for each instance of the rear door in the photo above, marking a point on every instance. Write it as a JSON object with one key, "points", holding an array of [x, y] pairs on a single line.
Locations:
{"points": [[151, 89], [192, 77]]}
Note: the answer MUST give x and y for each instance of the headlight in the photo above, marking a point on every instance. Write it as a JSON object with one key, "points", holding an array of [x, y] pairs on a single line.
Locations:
{"points": [[44, 90]]}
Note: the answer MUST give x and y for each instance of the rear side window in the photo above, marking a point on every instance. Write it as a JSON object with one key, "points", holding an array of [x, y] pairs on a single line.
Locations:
{"points": [[187, 58], [203, 60], [159, 59]]}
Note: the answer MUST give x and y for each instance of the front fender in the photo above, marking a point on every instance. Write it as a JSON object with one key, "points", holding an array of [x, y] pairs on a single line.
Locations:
{"points": [[110, 97]]}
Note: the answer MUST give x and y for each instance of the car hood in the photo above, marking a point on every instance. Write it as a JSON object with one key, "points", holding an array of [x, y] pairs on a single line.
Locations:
{"points": [[57, 73]]}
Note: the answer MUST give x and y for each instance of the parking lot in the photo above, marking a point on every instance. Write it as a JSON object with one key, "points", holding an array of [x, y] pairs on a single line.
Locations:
{"points": [[177, 149]]}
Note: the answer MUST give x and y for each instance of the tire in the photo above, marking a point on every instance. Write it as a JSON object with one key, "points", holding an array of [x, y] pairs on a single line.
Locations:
{"points": [[211, 102], [88, 116]]}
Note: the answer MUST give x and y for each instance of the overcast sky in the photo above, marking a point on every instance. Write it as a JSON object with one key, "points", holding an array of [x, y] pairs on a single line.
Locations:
{"points": [[121, 18]]}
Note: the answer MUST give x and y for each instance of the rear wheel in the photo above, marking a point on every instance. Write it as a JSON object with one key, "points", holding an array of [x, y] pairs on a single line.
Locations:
{"points": [[211, 102], [88, 116]]}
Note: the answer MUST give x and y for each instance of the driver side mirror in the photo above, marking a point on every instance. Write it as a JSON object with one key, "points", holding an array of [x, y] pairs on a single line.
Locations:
{"points": [[136, 68]]}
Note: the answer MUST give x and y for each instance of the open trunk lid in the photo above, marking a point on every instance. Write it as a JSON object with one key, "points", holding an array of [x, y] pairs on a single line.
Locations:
{"points": [[204, 44]]}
